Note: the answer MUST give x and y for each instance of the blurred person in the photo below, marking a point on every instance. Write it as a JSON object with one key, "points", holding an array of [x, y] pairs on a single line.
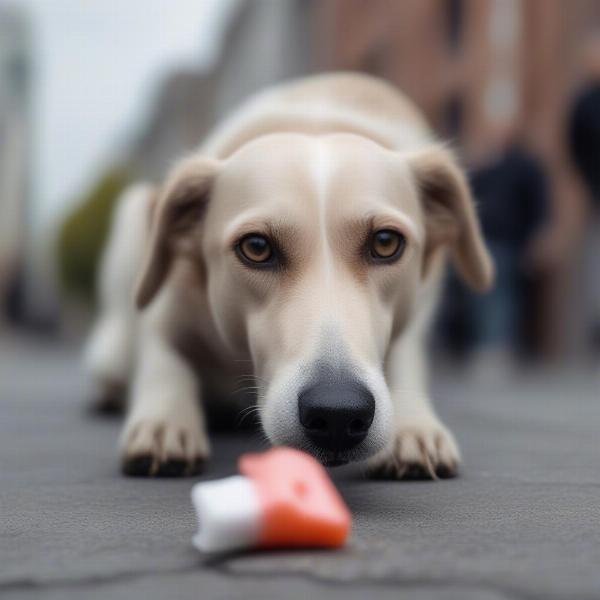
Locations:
{"points": [[584, 147], [510, 187], [15, 150], [584, 121]]}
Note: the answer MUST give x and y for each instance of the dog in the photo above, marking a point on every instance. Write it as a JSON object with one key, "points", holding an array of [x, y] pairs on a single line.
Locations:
{"points": [[306, 239]]}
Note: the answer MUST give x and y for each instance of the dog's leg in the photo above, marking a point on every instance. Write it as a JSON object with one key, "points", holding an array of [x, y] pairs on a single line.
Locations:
{"points": [[110, 350], [164, 433], [421, 446], [108, 358]]}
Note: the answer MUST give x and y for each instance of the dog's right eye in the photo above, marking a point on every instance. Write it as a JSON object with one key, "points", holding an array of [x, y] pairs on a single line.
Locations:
{"points": [[387, 245], [255, 249]]}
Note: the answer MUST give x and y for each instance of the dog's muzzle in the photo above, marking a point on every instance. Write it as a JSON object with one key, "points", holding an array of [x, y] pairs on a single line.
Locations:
{"points": [[336, 416]]}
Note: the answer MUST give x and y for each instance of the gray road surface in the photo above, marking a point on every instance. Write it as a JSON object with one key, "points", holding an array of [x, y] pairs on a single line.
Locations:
{"points": [[523, 520]]}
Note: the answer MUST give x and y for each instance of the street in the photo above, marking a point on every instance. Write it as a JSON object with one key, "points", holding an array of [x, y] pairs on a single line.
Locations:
{"points": [[522, 520]]}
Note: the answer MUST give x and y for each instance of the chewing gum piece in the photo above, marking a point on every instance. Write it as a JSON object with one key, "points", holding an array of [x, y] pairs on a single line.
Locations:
{"points": [[284, 498], [301, 506], [229, 514]]}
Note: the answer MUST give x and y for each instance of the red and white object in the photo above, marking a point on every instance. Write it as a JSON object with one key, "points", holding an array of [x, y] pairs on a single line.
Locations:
{"points": [[283, 498]]}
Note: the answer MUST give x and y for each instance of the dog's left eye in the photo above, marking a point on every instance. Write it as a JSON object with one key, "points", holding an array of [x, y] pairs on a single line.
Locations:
{"points": [[387, 245], [255, 249]]}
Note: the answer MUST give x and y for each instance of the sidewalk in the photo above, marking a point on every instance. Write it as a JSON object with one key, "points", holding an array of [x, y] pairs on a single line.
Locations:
{"points": [[523, 520]]}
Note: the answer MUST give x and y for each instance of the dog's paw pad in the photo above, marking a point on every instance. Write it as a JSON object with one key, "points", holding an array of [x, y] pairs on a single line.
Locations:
{"points": [[162, 449], [420, 451], [138, 466], [447, 471], [150, 466]]}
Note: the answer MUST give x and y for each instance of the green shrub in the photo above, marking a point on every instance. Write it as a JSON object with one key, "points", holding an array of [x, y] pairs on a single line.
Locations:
{"points": [[84, 232]]}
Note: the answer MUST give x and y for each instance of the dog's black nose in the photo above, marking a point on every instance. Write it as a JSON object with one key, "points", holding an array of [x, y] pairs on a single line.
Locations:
{"points": [[336, 416]]}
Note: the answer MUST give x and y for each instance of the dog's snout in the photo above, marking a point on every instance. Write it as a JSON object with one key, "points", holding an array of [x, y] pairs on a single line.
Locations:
{"points": [[336, 416]]}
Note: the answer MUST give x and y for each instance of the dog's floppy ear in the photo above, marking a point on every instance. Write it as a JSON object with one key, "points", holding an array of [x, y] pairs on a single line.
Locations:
{"points": [[179, 209], [450, 217]]}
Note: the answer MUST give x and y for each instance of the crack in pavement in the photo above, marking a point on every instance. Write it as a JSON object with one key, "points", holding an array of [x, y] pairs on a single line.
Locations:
{"points": [[225, 567]]}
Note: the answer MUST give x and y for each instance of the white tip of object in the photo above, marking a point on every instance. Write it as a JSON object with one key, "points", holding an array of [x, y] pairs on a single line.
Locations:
{"points": [[228, 513]]}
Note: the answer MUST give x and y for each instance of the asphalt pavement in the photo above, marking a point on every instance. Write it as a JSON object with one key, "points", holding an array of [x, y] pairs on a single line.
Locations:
{"points": [[522, 521]]}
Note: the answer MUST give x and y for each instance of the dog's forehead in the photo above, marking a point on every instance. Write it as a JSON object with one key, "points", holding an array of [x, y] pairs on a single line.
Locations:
{"points": [[344, 171], [360, 175]]}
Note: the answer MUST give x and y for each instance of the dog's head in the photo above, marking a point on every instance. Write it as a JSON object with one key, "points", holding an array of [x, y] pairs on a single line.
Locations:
{"points": [[314, 253]]}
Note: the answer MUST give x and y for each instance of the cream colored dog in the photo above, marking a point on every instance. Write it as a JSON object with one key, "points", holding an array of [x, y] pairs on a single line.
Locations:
{"points": [[308, 235]]}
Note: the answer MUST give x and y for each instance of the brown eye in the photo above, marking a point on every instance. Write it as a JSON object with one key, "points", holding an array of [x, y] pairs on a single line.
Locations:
{"points": [[255, 249], [387, 244]]}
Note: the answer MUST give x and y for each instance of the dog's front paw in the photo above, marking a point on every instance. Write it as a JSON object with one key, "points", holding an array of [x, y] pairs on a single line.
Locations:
{"points": [[163, 448], [421, 449]]}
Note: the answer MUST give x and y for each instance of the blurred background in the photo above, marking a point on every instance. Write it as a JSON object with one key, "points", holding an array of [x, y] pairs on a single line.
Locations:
{"points": [[94, 95]]}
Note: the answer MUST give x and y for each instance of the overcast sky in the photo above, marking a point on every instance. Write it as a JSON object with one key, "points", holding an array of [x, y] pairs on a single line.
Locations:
{"points": [[97, 65]]}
